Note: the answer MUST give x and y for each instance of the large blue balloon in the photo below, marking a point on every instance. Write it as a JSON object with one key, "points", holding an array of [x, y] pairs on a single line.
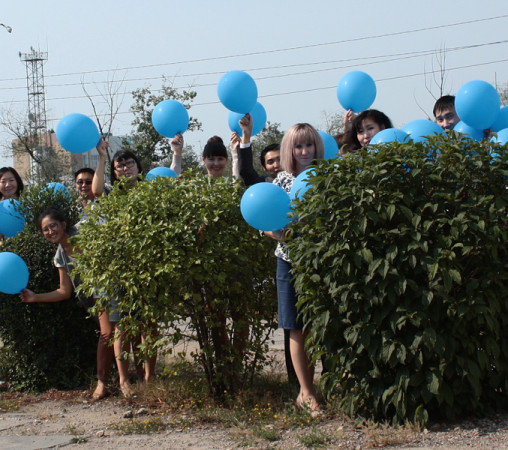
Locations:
{"points": [[300, 185], [418, 130], [357, 91], [237, 91], [471, 132], [501, 121], [258, 115], [11, 219], [77, 133], [477, 104], [169, 118], [161, 172], [389, 135], [502, 136], [265, 207], [13, 273], [331, 146]]}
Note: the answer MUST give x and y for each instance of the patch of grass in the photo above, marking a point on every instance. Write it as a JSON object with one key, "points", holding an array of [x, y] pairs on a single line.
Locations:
{"points": [[382, 435], [79, 440], [74, 430], [314, 439], [267, 433], [7, 405], [137, 426]]}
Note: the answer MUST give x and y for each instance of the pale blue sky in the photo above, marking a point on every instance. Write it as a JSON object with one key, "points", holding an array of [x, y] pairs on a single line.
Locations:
{"points": [[295, 50]]}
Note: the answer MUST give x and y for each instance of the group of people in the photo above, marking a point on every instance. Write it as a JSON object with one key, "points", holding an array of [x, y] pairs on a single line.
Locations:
{"points": [[300, 147]]}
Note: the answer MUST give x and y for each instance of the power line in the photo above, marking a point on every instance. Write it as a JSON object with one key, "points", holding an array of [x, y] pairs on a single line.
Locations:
{"points": [[302, 47]]}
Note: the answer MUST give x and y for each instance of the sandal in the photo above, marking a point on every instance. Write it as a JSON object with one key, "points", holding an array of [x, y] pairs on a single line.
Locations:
{"points": [[100, 391]]}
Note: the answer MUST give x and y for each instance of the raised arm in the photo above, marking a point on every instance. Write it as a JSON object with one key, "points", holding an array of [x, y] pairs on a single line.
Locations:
{"points": [[177, 147], [98, 178], [247, 171]]}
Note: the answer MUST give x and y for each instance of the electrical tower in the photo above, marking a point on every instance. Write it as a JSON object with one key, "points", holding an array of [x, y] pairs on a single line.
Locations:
{"points": [[34, 62]]}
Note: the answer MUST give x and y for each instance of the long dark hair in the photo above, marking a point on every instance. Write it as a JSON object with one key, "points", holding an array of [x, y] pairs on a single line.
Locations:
{"points": [[379, 117], [18, 179]]}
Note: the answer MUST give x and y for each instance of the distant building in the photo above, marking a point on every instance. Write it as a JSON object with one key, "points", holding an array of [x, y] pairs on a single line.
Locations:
{"points": [[62, 164]]}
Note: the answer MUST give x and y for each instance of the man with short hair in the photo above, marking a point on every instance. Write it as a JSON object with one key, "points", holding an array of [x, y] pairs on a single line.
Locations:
{"points": [[444, 112]]}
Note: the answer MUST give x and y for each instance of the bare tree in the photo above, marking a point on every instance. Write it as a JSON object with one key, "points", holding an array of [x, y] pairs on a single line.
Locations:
{"points": [[39, 148], [437, 78], [111, 96]]}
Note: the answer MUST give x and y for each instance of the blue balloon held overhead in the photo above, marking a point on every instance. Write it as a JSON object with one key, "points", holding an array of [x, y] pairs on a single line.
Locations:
{"points": [[420, 129], [258, 115], [237, 91], [357, 91], [55, 188], [170, 118], [501, 121], [477, 104], [77, 133], [300, 185], [389, 135], [13, 273], [265, 206], [161, 172], [11, 219], [331, 146], [461, 127]]}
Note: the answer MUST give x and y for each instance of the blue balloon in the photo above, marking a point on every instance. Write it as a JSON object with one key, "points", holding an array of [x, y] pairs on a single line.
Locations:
{"points": [[237, 91], [389, 135], [161, 172], [77, 133], [331, 146], [357, 91], [55, 187], [11, 219], [265, 206], [418, 130], [477, 104], [13, 273], [258, 114], [300, 185], [471, 132], [502, 137], [501, 121], [170, 118]]}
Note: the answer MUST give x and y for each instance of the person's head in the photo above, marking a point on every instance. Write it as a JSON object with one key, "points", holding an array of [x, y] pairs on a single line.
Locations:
{"points": [[300, 147], [367, 124], [215, 157], [11, 184], [347, 142], [125, 164], [53, 224], [83, 182], [444, 112], [270, 159]]}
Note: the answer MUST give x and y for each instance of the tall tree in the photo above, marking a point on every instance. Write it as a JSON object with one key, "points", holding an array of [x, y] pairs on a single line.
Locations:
{"points": [[146, 143]]}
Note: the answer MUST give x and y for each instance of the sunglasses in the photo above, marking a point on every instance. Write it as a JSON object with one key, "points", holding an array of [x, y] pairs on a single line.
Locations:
{"points": [[81, 182]]}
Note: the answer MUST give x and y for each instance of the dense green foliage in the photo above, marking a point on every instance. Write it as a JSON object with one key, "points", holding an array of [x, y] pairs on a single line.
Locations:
{"points": [[46, 345], [400, 256], [182, 256]]}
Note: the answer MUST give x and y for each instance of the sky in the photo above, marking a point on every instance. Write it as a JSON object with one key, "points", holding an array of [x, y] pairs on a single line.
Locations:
{"points": [[296, 51]]}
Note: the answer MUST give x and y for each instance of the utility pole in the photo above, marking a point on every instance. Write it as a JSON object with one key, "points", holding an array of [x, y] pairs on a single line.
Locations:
{"points": [[34, 62]]}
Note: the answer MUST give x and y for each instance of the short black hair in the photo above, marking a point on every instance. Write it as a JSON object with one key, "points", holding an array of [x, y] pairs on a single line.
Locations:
{"points": [[123, 155], [268, 148], [84, 170], [442, 103], [215, 147]]}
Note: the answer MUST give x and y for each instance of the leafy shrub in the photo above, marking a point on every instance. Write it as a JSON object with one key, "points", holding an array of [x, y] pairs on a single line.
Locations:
{"points": [[400, 262], [45, 344], [179, 252]]}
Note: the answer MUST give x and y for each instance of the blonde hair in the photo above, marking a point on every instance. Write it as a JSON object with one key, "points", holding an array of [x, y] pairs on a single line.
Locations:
{"points": [[297, 134]]}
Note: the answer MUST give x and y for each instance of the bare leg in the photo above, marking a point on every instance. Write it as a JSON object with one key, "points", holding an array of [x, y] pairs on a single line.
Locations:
{"points": [[150, 362], [105, 354], [120, 347], [304, 372]]}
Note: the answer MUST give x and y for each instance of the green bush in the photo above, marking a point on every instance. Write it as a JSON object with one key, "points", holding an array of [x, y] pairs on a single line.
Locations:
{"points": [[179, 253], [400, 261], [46, 345]]}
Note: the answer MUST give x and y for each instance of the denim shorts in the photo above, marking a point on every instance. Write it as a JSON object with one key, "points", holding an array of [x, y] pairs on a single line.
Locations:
{"points": [[286, 296]]}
